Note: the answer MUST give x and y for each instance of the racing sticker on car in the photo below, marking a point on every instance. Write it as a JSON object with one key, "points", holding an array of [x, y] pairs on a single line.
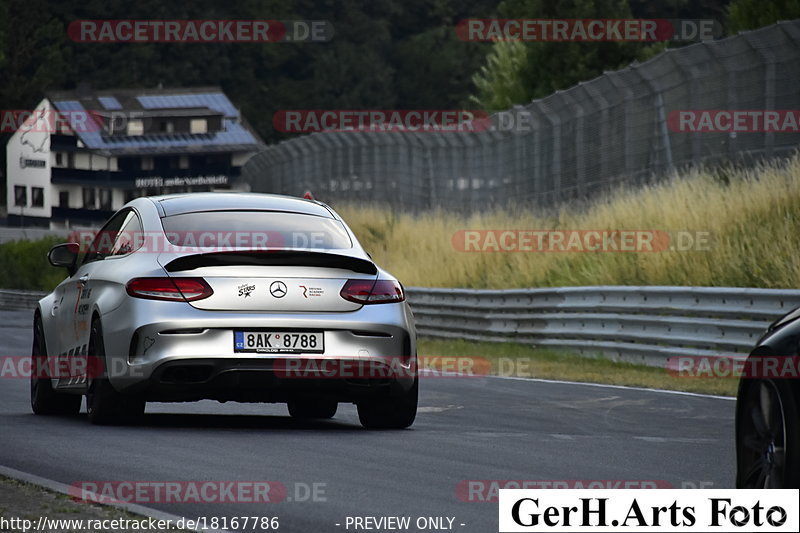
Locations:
{"points": [[311, 292], [245, 290]]}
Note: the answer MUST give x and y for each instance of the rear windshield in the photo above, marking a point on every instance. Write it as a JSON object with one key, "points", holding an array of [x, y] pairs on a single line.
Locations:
{"points": [[255, 229]]}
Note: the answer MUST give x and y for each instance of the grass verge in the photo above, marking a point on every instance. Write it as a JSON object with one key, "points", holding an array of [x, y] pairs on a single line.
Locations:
{"points": [[520, 360], [23, 501], [750, 218]]}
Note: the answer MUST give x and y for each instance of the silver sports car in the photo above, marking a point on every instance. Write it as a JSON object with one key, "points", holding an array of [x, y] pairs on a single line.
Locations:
{"points": [[224, 296]]}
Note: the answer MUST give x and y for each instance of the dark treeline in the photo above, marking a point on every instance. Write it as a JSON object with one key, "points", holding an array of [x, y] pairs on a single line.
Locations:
{"points": [[386, 54]]}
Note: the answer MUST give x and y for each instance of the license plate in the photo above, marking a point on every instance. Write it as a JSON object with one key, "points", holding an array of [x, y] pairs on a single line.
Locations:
{"points": [[279, 341]]}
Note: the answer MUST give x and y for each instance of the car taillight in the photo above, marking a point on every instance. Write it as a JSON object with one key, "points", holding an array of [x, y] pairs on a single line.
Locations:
{"points": [[171, 289], [365, 291]]}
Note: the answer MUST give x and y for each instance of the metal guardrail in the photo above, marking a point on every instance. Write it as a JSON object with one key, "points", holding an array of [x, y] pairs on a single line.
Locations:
{"points": [[19, 300], [644, 325], [636, 324]]}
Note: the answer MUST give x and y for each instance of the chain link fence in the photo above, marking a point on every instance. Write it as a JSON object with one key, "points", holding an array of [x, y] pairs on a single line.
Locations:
{"points": [[578, 143]]}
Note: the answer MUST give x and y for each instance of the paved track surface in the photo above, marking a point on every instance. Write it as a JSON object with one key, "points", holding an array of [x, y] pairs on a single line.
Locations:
{"points": [[467, 429]]}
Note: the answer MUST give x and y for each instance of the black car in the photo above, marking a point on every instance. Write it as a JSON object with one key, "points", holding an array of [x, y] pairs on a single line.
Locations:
{"points": [[768, 410]]}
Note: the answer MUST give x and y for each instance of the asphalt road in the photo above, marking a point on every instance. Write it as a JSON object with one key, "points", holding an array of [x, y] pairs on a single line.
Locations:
{"points": [[467, 429]]}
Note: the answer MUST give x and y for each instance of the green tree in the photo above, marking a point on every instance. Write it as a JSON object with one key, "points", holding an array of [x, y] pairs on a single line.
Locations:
{"points": [[752, 14], [550, 66], [500, 81]]}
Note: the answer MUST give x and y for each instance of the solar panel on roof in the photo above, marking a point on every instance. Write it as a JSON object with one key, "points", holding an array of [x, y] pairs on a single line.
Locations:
{"points": [[109, 102], [69, 105], [216, 101], [233, 133]]}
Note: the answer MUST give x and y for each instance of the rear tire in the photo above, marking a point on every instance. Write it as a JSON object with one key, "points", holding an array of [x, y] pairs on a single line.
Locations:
{"points": [[45, 400], [104, 405], [307, 409], [394, 413]]}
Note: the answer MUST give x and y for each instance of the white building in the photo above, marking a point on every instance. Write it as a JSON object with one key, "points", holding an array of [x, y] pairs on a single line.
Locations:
{"points": [[82, 155]]}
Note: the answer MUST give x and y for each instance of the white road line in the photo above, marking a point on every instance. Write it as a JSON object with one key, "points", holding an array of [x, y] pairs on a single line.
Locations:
{"points": [[437, 373], [608, 386]]}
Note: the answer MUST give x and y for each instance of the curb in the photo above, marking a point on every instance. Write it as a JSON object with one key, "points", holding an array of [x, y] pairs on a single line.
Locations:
{"points": [[62, 488]]}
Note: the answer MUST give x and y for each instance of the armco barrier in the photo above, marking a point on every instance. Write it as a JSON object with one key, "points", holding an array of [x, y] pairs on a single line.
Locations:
{"points": [[636, 324], [19, 300]]}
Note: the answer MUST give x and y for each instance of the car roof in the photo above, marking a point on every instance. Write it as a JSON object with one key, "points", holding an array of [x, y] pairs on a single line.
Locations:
{"points": [[177, 204]]}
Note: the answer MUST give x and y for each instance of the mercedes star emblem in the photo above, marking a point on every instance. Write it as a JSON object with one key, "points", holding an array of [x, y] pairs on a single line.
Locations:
{"points": [[277, 289]]}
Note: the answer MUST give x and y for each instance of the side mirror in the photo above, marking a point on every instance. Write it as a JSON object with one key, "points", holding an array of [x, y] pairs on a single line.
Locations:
{"points": [[64, 255]]}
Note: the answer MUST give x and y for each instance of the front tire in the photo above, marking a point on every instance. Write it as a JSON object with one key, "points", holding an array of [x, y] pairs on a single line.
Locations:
{"points": [[768, 435], [394, 413], [104, 405], [45, 400]]}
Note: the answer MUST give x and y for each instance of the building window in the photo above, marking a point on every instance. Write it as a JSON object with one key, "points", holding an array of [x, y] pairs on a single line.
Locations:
{"points": [[210, 162], [63, 199], [105, 199], [61, 160], [20, 196], [135, 127], [129, 164], [198, 125], [165, 163], [147, 163], [167, 126], [89, 199], [37, 197]]}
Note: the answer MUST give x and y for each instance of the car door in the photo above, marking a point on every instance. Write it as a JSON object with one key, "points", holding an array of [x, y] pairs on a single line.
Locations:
{"points": [[74, 312]]}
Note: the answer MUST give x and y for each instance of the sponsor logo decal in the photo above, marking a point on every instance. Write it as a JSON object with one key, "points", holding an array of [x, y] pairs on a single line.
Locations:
{"points": [[245, 290], [312, 292]]}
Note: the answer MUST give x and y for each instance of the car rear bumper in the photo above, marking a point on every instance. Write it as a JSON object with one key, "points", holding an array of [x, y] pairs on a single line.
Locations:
{"points": [[262, 380], [170, 351]]}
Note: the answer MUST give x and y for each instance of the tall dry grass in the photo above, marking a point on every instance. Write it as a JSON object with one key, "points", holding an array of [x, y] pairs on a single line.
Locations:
{"points": [[753, 217]]}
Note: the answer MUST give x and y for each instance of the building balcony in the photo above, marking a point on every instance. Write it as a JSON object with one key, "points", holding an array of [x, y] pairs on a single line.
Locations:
{"points": [[80, 216]]}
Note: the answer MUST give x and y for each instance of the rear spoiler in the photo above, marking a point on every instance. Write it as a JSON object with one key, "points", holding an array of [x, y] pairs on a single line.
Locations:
{"points": [[272, 258]]}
